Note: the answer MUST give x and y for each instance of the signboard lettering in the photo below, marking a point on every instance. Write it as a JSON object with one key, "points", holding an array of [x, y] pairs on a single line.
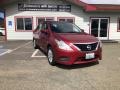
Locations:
{"points": [[44, 7]]}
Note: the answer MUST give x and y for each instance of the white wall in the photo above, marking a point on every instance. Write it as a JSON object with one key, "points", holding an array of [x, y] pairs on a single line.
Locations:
{"points": [[113, 34], [81, 19], [12, 11]]}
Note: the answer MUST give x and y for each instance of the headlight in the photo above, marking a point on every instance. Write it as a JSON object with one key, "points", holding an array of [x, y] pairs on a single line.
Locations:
{"points": [[62, 45]]}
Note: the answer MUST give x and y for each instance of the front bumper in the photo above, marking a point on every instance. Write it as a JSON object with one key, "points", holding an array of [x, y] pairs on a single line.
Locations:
{"points": [[75, 56]]}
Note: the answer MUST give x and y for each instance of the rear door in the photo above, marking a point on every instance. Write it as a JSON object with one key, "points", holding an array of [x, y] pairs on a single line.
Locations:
{"points": [[44, 36], [38, 34]]}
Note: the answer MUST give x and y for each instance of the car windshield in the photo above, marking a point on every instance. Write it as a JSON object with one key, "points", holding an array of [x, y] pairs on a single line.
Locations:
{"points": [[64, 27]]}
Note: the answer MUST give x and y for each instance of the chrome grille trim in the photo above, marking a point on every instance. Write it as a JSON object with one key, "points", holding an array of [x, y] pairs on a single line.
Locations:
{"points": [[84, 48]]}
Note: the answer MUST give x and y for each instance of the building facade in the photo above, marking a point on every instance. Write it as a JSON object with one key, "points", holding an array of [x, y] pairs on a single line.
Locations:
{"points": [[102, 21]]}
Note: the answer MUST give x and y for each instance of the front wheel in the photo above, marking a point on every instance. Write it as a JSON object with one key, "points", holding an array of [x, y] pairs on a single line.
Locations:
{"points": [[50, 56]]}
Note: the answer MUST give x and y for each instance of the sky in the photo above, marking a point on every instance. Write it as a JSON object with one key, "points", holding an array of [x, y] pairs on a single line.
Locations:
{"points": [[102, 1]]}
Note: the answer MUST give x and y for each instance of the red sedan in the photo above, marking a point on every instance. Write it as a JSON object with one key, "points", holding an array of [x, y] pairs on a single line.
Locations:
{"points": [[66, 43]]}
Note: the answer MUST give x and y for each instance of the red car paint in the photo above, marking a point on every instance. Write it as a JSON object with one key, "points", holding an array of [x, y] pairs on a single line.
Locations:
{"points": [[78, 42]]}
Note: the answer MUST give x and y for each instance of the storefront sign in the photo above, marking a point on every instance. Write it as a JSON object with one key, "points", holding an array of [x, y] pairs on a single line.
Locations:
{"points": [[44, 7]]}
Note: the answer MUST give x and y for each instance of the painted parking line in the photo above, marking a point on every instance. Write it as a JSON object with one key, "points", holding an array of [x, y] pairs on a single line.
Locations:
{"points": [[21, 46], [4, 51], [35, 52]]}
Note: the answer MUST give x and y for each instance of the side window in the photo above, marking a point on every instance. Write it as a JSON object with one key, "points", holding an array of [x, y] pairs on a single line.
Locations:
{"points": [[39, 27], [23, 23], [28, 23], [44, 26], [20, 23]]}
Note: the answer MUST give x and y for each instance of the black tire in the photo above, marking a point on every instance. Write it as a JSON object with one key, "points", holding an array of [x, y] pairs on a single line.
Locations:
{"points": [[50, 56], [34, 44], [1, 34], [97, 62]]}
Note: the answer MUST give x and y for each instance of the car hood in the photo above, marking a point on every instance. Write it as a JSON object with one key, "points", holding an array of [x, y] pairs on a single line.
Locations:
{"points": [[77, 38]]}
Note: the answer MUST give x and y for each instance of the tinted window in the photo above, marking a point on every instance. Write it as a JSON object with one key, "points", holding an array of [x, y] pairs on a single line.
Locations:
{"points": [[24, 23], [20, 24], [28, 24], [44, 26], [39, 27]]}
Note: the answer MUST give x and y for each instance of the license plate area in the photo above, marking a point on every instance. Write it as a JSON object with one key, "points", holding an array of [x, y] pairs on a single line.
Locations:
{"points": [[90, 56]]}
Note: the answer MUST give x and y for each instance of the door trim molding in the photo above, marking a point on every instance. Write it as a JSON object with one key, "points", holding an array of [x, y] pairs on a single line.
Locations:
{"points": [[94, 17]]}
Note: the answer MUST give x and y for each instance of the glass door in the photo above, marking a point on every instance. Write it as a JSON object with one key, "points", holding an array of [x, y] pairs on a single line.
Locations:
{"points": [[99, 27]]}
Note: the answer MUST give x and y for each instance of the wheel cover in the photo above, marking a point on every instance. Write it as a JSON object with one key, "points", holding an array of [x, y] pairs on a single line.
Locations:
{"points": [[50, 55]]}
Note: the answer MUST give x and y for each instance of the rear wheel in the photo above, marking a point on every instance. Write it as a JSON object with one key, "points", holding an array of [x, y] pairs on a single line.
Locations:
{"points": [[1, 34], [34, 44], [50, 55]]}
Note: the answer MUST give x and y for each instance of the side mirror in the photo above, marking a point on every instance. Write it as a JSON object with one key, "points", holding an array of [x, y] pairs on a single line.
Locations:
{"points": [[45, 31], [82, 30]]}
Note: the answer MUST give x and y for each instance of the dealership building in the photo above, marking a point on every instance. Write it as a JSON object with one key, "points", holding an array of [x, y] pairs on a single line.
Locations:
{"points": [[22, 17]]}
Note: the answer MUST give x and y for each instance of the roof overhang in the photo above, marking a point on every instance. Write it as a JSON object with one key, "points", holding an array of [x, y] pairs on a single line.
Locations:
{"points": [[107, 7], [95, 7], [86, 7]]}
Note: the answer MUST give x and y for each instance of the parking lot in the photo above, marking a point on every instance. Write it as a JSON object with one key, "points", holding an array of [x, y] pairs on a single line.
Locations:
{"points": [[24, 68]]}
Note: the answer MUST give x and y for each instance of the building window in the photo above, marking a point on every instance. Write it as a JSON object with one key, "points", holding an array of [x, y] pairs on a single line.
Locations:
{"points": [[41, 19], [118, 24], [66, 19], [23, 24]]}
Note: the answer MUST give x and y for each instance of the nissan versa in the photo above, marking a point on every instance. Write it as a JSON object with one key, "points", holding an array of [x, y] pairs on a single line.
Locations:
{"points": [[66, 43]]}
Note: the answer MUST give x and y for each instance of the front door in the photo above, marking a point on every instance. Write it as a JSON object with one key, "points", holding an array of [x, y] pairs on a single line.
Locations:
{"points": [[99, 27]]}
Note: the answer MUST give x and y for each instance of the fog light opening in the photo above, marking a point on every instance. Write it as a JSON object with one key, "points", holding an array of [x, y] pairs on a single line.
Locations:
{"points": [[64, 59]]}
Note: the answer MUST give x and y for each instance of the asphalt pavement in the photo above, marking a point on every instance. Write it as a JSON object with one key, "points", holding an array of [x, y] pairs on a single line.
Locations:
{"points": [[24, 68]]}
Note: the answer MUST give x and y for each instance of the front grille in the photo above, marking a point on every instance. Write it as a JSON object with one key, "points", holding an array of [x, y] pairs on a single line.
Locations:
{"points": [[87, 47]]}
